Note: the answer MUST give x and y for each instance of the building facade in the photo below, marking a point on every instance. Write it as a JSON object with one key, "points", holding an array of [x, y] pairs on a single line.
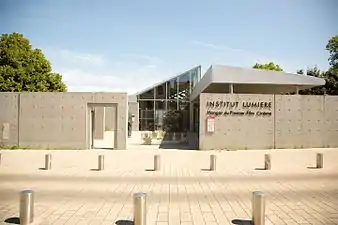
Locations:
{"points": [[226, 108]]}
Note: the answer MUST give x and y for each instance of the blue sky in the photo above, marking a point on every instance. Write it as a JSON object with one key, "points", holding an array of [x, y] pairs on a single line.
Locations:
{"points": [[111, 45]]}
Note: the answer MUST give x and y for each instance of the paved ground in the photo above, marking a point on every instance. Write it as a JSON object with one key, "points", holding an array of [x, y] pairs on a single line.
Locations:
{"points": [[182, 193]]}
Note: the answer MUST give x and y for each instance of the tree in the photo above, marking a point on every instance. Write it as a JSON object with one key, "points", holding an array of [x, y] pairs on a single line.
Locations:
{"points": [[332, 73], [268, 66], [23, 68], [315, 72], [332, 48]]}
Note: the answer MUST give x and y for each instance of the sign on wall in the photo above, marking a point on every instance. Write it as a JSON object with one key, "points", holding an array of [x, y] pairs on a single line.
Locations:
{"points": [[210, 124], [235, 108]]}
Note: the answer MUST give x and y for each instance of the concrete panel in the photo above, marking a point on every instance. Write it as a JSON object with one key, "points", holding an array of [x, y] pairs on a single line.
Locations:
{"points": [[99, 122], [9, 119], [243, 127], [331, 121], [288, 121], [53, 120], [299, 121], [312, 111], [110, 118]]}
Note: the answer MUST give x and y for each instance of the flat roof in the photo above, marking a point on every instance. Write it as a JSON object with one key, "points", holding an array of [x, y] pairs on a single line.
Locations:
{"points": [[220, 74]]}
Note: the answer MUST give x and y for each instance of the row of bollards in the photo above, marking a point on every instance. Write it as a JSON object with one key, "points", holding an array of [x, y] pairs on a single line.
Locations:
{"points": [[157, 162], [319, 161], [140, 208]]}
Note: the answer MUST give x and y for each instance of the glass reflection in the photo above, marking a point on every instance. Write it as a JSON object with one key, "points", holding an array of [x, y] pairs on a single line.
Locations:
{"points": [[171, 95]]}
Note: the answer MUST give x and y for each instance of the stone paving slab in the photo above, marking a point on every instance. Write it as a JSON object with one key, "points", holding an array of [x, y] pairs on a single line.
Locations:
{"points": [[183, 192]]}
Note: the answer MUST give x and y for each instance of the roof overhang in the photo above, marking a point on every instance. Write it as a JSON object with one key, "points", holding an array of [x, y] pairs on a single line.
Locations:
{"points": [[217, 79]]}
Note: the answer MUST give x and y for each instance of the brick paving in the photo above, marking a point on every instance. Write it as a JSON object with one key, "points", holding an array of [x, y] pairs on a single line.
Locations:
{"points": [[183, 192]]}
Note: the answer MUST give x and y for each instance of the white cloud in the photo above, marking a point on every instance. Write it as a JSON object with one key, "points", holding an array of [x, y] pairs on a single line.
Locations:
{"points": [[74, 57], [242, 56], [95, 72], [140, 56]]}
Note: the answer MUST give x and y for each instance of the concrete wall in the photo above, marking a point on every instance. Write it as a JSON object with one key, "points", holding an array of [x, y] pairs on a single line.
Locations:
{"points": [[100, 122], [57, 120], [110, 118], [289, 121]]}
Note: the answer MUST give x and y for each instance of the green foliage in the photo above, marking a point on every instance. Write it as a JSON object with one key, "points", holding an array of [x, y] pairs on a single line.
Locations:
{"points": [[315, 72], [23, 68], [268, 66], [332, 48], [330, 76], [173, 121]]}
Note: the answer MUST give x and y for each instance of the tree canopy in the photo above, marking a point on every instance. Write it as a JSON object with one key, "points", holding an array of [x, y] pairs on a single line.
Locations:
{"points": [[23, 68], [332, 48], [268, 66], [330, 76]]}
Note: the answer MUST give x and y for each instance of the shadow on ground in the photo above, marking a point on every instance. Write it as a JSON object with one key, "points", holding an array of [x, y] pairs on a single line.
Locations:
{"points": [[13, 220], [124, 222], [242, 222], [312, 167], [260, 168]]}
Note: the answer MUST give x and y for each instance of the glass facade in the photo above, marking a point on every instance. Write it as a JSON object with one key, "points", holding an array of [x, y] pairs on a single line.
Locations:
{"points": [[171, 95]]}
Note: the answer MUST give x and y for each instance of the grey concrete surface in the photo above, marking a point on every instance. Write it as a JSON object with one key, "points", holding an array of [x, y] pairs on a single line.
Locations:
{"points": [[296, 121], [57, 120]]}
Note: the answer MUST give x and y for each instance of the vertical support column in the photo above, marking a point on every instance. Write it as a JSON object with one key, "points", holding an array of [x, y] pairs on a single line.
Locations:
{"points": [[212, 162], [101, 162], [258, 208], [297, 90], [140, 209], [320, 160], [231, 88], [191, 117], [48, 161], [26, 207], [157, 162], [267, 162]]}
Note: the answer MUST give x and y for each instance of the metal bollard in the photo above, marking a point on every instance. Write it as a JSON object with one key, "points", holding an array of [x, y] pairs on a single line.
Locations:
{"points": [[26, 207], [258, 208], [101, 162], [267, 162], [320, 160], [140, 209], [0, 158], [157, 162], [212, 162], [48, 161]]}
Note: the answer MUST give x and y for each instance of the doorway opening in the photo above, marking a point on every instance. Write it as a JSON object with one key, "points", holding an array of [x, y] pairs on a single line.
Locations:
{"points": [[102, 125]]}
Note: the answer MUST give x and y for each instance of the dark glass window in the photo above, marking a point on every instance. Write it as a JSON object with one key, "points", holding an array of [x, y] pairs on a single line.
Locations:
{"points": [[147, 95], [161, 92]]}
